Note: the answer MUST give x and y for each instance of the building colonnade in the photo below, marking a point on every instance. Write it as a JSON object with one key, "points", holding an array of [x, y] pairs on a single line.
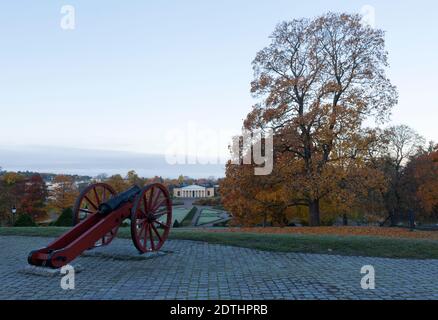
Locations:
{"points": [[193, 193]]}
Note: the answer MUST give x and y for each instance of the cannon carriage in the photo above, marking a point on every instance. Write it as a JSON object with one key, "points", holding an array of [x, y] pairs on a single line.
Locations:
{"points": [[97, 215]]}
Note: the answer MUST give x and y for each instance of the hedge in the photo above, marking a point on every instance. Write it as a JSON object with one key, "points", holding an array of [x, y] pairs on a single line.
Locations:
{"points": [[24, 220], [187, 221], [65, 219]]}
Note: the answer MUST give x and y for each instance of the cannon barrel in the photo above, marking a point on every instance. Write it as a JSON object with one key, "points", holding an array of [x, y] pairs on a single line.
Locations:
{"points": [[115, 203]]}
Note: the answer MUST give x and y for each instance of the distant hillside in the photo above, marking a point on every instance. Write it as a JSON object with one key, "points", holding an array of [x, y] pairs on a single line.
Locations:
{"points": [[86, 162]]}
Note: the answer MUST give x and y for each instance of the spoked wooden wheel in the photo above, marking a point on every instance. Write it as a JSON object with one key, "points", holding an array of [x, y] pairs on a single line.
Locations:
{"points": [[151, 218], [88, 203]]}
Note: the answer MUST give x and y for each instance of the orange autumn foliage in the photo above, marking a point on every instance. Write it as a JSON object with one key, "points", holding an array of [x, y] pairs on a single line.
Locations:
{"points": [[64, 192], [340, 231], [425, 174], [316, 82]]}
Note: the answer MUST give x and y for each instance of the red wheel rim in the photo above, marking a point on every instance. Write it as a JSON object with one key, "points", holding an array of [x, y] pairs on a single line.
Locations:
{"points": [[88, 203], [151, 218]]}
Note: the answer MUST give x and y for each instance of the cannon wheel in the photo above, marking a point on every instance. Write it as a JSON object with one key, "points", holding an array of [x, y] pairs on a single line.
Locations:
{"points": [[88, 202], [151, 218]]}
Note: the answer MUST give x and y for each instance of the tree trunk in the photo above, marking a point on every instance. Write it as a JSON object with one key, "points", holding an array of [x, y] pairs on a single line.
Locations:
{"points": [[411, 219], [345, 219], [394, 218], [314, 213]]}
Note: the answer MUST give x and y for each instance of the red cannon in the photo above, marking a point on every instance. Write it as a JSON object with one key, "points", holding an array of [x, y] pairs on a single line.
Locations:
{"points": [[97, 215]]}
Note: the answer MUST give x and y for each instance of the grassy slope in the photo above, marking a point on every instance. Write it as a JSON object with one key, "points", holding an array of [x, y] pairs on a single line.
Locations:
{"points": [[328, 244]]}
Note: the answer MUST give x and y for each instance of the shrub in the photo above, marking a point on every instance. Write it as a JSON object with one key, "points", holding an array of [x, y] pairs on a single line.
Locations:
{"points": [[24, 220], [222, 224], [176, 224], [216, 201], [327, 221], [65, 219], [187, 221], [304, 223]]}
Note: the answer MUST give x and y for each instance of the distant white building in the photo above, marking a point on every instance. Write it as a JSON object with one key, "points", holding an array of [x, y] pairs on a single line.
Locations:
{"points": [[193, 191]]}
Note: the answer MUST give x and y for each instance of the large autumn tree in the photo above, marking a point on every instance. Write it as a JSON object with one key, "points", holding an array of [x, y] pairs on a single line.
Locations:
{"points": [[317, 82]]}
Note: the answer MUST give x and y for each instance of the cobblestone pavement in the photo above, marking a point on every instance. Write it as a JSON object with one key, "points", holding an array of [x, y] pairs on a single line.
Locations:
{"points": [[196, 270]]}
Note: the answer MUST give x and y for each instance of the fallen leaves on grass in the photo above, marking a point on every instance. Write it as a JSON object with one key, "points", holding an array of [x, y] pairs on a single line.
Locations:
{"points": [[340, 231]]}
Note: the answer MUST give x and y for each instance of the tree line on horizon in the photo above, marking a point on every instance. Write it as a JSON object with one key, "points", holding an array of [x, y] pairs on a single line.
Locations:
{"points": [[29, 194]]}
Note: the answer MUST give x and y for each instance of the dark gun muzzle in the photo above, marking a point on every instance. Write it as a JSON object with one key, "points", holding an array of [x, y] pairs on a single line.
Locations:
{"points": [[115, 203]]}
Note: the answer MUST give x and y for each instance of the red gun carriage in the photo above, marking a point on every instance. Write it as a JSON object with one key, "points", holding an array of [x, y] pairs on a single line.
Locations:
{"points": [[97, 216]]}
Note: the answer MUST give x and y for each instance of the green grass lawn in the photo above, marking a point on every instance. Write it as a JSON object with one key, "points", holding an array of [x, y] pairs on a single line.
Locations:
{"points": [[210, 212], [208, 216], [204, 220], [179, 214], [327, 244]]}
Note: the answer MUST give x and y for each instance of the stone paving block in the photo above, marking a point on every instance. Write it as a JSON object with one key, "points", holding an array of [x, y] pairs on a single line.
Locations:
{"points": [[46, 272], [196, 270]]}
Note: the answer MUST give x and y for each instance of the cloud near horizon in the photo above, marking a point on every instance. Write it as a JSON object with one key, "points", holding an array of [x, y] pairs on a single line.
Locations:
{"points": [[93, 162]]}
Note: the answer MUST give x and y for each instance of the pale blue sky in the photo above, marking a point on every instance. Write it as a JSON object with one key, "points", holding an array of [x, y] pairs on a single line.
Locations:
{"points": [[133, 69]]}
